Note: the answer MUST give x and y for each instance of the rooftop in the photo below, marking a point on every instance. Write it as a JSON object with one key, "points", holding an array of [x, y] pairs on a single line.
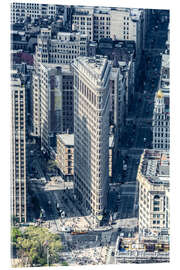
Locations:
{"points": [[155, 166], [165, 60], [96, 68], [135, 14], [64, 67], [111, 141], [68, 139]]}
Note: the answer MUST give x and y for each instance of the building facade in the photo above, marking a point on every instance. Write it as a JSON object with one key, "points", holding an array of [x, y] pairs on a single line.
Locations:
{"points": [[65, 155], [18, 149], [20, 11], [103, 22], [60, 51], [153, 177], [91, 132], [161, 113], [161, 121], [55, 105], [117, 104]]}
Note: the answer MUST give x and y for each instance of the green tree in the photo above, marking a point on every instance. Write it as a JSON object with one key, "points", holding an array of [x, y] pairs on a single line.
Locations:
{"points": [[64, 264], [33, 245], [15, 234], [51, 165]]}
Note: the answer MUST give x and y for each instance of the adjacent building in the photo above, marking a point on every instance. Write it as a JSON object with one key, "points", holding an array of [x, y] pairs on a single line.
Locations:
{"points": [[91, 132], [18, 149], [59, 51], [117, 104], [161, 121], [82, 20], [65, 155], [21, 11], [62, 49], [111, 154], [53, 102], [161, 114], [103, 22], [154, 182], [122, 81]]}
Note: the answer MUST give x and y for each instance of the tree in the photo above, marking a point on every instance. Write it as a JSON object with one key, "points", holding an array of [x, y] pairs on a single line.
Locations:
{"points": [[15, 234], [64, 264], [33, 244], [51, 165]]}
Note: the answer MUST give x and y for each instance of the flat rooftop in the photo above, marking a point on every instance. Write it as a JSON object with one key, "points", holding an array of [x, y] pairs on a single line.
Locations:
{"points": [[96, 69], [94, 63], [155, 166], [165, 60], [111, 141], [68, 139], [64, 67]]}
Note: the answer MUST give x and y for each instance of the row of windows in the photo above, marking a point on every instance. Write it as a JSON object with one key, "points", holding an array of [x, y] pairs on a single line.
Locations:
{"points": [[161, 135], [87, 92], [159, 123], [96, 198], [102, 18], [161, 146], [158, 215], [81, 18]]}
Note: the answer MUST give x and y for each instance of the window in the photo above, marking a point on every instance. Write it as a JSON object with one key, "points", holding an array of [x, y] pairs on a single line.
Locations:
{"points": [[156, 202]]}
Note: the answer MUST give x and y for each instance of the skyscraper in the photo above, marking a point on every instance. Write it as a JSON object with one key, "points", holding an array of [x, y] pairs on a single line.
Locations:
{"points": [[91, 132], [18, 146]]}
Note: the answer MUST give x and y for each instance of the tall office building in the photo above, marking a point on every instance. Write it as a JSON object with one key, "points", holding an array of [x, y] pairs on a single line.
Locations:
{"points": [[18, 149], [91, 132]]}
